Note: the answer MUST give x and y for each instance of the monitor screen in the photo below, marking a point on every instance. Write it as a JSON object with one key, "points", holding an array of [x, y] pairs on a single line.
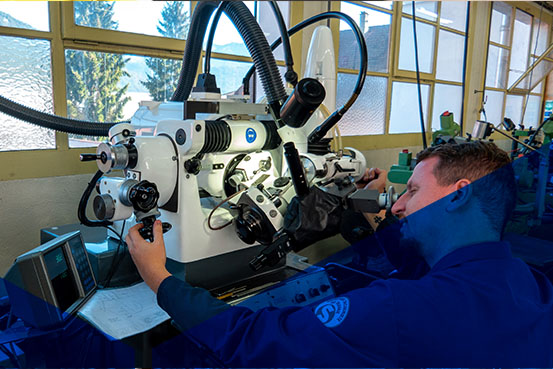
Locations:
{"points": [[63, 281]]}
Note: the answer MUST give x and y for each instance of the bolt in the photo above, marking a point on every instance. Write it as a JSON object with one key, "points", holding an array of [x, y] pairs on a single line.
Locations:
{"points": [[273, 213], [259, 198]]}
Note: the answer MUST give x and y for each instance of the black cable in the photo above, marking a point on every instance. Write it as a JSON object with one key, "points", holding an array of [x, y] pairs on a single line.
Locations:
{"points": [[421, 113], [55, 122], [291, 76], [209, 46], [320, 131], [114, 265], [464, 70], [81, 210]]}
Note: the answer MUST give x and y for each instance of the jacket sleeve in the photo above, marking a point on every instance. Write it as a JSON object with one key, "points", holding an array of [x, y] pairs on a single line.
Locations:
{"points": [[357, 329], [188, 306]]}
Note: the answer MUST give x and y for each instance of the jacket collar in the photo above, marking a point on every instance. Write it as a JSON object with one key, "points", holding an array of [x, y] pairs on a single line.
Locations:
{"points": [[487, 250]]}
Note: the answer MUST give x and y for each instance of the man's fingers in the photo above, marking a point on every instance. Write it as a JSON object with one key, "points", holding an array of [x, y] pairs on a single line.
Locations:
{"points": [[158, 230]]}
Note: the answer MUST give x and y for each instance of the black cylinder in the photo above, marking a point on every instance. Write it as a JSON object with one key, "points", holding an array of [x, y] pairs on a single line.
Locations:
{"points": [[300, 105], [296, 169]]}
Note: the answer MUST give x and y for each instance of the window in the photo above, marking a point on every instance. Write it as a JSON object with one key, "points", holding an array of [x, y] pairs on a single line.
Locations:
{"points": [[391, 103], [25, 15], [27, 81], [368, 115], [166, 19], [517, 38]]}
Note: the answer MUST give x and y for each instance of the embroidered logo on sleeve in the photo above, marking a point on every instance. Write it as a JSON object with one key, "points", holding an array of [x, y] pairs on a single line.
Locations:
{"points": [[333, 312]]}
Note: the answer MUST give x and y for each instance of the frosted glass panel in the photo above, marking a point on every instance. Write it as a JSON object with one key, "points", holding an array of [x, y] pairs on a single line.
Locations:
{"points": [[405, 116], [25, 14], [493, 107], [25, 77], [513, 108], [423, 9], [454, 14], [521, 42], [367, 115], [375, 26], [451, 48], [425, 43], [532, 115], [446, 98], [496, 75], [156, 18], [501, 23]]}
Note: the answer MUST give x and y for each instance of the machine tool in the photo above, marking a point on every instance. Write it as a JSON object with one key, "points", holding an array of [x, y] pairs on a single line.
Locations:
{"points": [[221, 173]]}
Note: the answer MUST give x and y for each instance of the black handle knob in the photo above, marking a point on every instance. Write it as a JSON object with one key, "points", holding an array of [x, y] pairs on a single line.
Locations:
{"points": [[89, 157]]}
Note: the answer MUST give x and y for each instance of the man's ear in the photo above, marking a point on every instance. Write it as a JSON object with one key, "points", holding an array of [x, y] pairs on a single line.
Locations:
{"points": [[460, 197]]}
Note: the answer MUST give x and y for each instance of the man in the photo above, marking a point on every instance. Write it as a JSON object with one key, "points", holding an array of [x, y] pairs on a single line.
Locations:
{"points": [[475, 305]]}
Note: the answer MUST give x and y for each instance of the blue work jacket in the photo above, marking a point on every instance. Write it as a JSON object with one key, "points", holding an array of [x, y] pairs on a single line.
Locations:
{"points": [[477, 307]]}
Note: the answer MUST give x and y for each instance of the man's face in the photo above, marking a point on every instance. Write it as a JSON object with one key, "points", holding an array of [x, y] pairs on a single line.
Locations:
{"points": [[422, 189]]}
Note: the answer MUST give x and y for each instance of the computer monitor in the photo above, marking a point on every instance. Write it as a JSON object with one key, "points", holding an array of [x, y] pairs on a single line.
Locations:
{"points": [[50, 282]]}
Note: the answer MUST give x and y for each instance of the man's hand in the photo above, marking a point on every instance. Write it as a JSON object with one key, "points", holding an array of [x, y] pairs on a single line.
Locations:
{"points": [[373, 179], [149, 258]]}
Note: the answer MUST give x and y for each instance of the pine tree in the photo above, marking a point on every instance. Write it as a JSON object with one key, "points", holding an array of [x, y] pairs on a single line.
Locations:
{"points": [[92, 77], [162, 81]]}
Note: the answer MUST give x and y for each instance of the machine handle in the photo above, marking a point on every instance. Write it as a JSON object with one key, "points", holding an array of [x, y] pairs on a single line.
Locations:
{"points": [[89, 157]]}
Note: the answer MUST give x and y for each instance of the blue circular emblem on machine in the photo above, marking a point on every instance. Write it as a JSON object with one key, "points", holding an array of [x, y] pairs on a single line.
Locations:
{"points": [[251, 135]]}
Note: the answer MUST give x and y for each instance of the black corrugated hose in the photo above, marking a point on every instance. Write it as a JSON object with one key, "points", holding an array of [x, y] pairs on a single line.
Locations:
{"points": [[193, 48], [324, 127], [61, 124], [254, 39]]}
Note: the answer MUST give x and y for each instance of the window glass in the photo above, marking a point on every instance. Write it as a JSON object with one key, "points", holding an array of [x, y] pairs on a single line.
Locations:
{"points": [[493, 107], [227, 39], [382, 4], [404, 115], [423, 9], [513, 108], [446, 98], [106, 87], [501, 23], [269, 24], [541, 32], [25, 77], [425, 43], [454, 14], [496, 75], [25, 14], [533, 111], [451, 48], [521, 43], [375, 26], [229, 74], [163, 18], [367, 114]]}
